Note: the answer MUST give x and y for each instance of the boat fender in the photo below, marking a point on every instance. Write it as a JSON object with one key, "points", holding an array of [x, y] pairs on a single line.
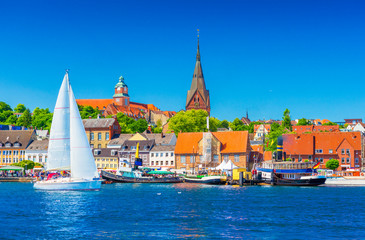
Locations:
{"points": [[254, 172], [362, 174]]}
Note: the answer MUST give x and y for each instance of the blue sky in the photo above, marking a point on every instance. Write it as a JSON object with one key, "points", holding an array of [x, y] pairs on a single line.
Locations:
{"points": [[260, 56]]}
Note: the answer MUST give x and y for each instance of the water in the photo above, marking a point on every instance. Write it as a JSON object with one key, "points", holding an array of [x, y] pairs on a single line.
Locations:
{"points": [[145, 211]]}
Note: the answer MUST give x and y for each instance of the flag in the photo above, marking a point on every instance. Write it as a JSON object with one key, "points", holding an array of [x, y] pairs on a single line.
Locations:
{"points": [[316, 166]]}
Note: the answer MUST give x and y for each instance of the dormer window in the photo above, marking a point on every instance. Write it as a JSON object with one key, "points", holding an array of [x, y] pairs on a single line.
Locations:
{"points": [[17, 144], [114, 152], [133, 148], [8, 144], [97, 151]]}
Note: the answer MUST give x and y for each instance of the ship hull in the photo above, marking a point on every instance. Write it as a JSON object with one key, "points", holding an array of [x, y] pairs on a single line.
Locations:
{"points": [[205, 180], [120, 179], [82, 185]]}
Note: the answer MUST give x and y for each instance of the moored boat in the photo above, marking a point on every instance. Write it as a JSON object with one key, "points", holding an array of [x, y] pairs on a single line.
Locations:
{"points": [[69, 148], [212, 180]]}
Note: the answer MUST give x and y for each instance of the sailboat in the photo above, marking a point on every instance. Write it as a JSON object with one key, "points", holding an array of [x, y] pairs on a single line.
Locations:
{"points": [[69, 148]]}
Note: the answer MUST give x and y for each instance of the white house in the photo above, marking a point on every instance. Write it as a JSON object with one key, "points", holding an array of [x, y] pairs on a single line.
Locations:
{"points": [[162, 156], [37, 151], [359, 127]]}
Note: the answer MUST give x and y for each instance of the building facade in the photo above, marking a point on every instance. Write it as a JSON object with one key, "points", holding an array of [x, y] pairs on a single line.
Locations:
{"points": [[198, 95], [106, 158], [346, 147], [129, 147], [37, 151], [100, 131], [194, 152], [13, 144], [162, 156], [260, 131]]}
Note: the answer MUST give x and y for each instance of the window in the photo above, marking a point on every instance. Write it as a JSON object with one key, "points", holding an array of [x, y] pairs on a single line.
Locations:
{"points": [[99, 145], [152, 156], [330, 151], [167, 163], [126, 102], [172, 163], [115, 165], [236, 158], [348, 151], [310, 157], [167, 154], [91, 136], [107, 136], [299, 159], [152, 163], [342, 160], [192, 159], [215, 158], [172, 154], [321, 160], [348, 160], [342, 151], [98, 165], [356, 160], [225, 157], [161, 154], [161, 163], [319, 151], [156, 163], [99, 136], [8, 144], [182, 159], [92, 145], [133, 147]]}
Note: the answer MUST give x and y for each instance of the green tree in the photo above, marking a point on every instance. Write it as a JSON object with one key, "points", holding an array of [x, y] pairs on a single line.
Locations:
{"points": [[224, 124], [88, 111], [189, 121], [140, 125], [271, 139], [303, 122], [4, 107], [20, 108], [329, 124], [286, 120], [12, 119], [213, 124], [5, 115], [42, 118], [275, 126], [332, 164], [25, 119], [238, 125], [26, 164]]}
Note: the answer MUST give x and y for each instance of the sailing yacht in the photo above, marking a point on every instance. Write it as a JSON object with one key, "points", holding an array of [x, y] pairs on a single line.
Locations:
{"points": [[69, 148]]}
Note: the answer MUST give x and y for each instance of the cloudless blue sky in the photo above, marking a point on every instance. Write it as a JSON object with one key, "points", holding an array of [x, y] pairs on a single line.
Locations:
{"points": [[263, 56]]}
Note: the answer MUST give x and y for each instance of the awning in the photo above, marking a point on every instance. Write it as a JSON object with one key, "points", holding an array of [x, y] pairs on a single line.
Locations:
{"points": [[11, 168]]}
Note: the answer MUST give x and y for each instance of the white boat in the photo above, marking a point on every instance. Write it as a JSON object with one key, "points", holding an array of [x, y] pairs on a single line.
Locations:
{"points": [[346, 181], [69, 148]]}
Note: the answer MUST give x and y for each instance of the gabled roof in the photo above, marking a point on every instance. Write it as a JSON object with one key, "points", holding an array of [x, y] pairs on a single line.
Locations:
{"points": [[23, 137], [38, 145], [98, 122], [298, 144], [231, 142], [119, 139], [161, 139], [105, 152], [159, 148]]}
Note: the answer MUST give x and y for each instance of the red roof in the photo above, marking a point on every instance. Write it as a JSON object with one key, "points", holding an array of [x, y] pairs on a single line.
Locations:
{"points": [[95, 103], [231, 141]]}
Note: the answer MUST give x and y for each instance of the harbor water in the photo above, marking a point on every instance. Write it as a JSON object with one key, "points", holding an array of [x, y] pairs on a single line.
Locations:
{"points": [[170, 211]]}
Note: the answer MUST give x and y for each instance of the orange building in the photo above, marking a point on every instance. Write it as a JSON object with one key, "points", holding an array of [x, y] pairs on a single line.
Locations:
{"points": [[234, 146], [323, 146], [121, 103]]}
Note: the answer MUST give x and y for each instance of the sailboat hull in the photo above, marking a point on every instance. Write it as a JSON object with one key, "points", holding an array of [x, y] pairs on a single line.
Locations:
{"points": [[82, 185]]}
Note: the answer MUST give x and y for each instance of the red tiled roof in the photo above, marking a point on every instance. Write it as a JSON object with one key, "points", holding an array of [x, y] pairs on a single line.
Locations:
{"points": [[232, 141], [95, 103]]}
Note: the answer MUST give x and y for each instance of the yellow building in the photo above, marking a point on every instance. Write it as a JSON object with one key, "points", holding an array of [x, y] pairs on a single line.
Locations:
{"points": [[100, 131], [13, 144], [106, 158]]}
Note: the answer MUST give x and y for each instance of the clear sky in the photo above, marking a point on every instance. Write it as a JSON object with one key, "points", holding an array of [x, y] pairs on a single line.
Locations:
{"points": [[263, 56]]}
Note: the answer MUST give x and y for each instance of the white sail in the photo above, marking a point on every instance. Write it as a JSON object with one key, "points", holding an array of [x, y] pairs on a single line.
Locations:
{"points": [[59, 142], [82, 161]]}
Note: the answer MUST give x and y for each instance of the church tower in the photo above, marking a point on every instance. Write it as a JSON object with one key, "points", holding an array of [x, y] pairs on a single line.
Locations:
{"points": [[121, 96], [198, 95]]}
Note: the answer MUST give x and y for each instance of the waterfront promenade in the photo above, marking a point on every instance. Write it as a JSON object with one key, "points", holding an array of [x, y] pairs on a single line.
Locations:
{"points": [[146, 211]]}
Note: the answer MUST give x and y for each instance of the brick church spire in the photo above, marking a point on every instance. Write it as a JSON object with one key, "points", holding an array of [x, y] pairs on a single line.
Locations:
{"points": [[198, 95]]}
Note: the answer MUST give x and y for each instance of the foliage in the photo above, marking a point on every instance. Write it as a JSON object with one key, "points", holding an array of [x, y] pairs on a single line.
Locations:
{"points": [[26, 164], [288, 159], [140, 125], [42, 118], [329, 124], [286, 120], [189, 121], [5, 115], [213, 124], [20, 108], [306, 160], [332, 164], [38, 164], [25, 119], [275, 126], [12, 119], [303, 122], [88, 111], [156, 129], [4, 107], [271, 139], [223, 124], [238, 125]]}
